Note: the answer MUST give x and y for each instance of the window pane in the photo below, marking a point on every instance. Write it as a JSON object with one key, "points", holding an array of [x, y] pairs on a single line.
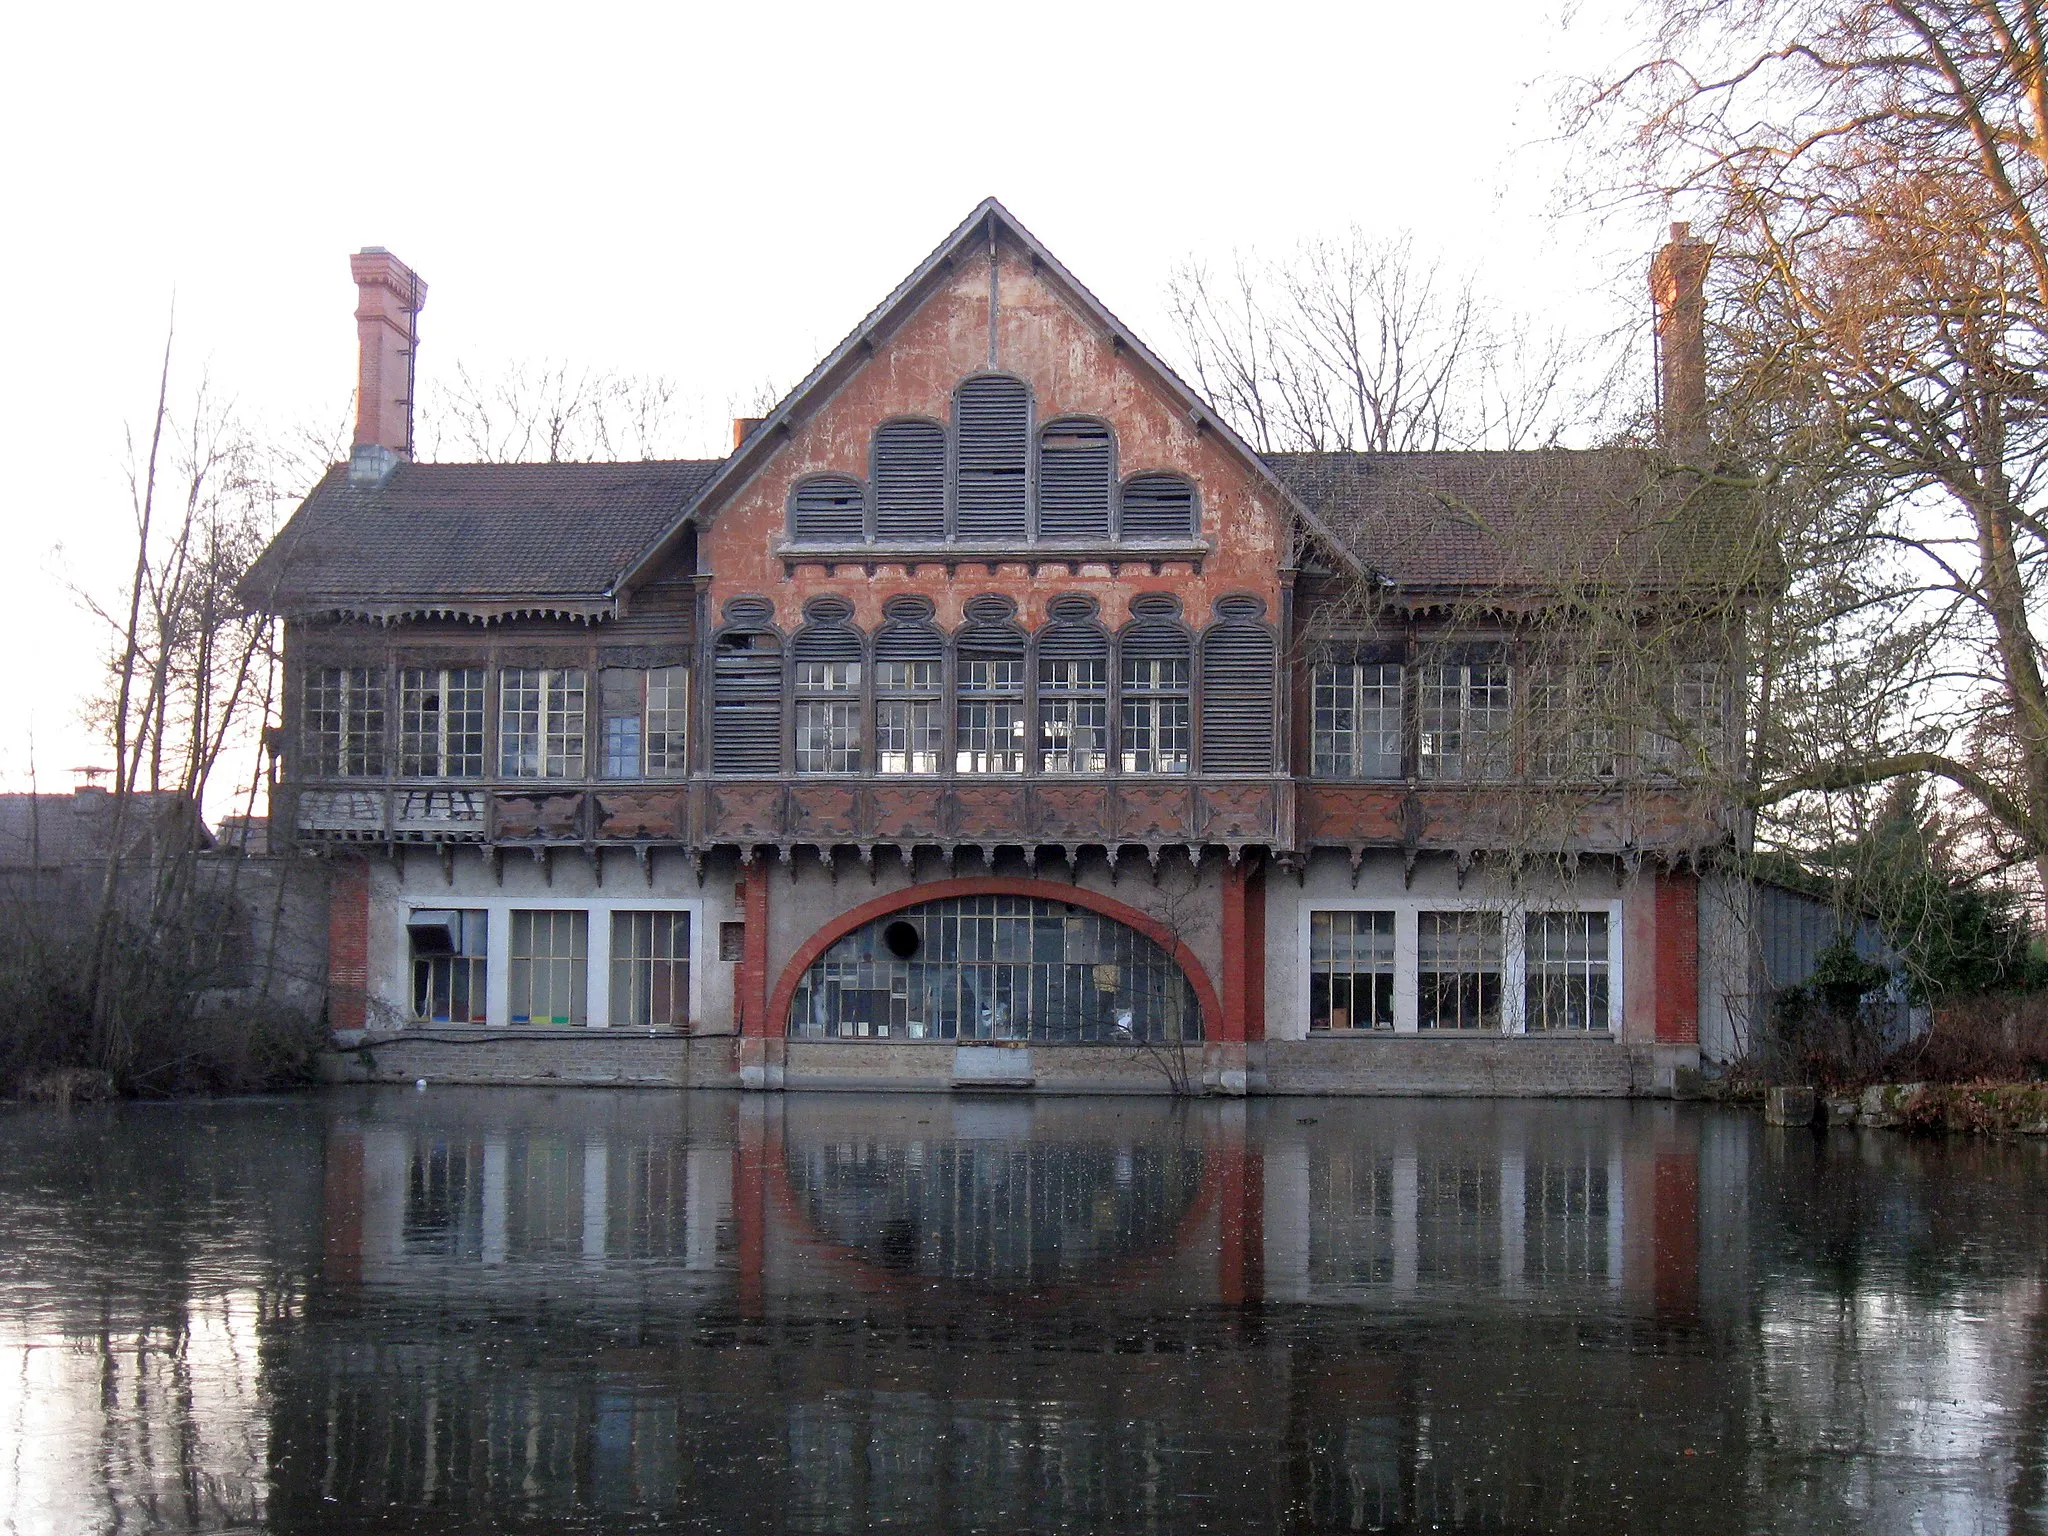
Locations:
{"points": [[1465, 721], [1566, 957], [342, 722], [548, 967], [448, 984], [651, 969], [1458, 970], [540, 722], [1351, 970]]}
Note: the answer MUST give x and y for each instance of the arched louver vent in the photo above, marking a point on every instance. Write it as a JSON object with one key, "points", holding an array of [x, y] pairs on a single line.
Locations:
{"points": [[993, 434], [908, 634], [989, 630], [1075, 476], [1155, 632], [1238, 671], [1158, 507], [826, 635], [909, 468], [1073, 632], [827, 509], [746, 692]]}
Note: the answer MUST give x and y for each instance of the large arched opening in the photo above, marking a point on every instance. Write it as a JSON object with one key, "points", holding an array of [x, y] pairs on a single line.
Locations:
{"points": [[1031, 961]]}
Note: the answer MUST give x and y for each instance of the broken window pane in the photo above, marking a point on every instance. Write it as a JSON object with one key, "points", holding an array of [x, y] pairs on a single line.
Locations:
{"points": [[441, 722]]}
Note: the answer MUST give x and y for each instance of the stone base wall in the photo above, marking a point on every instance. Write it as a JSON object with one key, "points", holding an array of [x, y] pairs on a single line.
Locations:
{"points": [[1384, 1066]]}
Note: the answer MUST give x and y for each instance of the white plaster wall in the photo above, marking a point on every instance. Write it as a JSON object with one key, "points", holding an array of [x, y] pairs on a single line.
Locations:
{"points": [[416, 879], [1326, 882]]}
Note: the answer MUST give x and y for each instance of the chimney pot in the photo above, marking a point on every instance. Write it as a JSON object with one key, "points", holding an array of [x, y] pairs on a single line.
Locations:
{"points": [[389, 296], [744, 427]]}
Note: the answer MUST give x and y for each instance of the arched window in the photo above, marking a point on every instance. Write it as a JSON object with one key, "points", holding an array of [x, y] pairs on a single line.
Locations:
{"points": [[1073, 689], [746, 691], [1238, 667], [1157, 507], [992, 433], [828, 509], [997, 968], [827, 657], [1076, 474], [908, 466], [1153, 654], [988, 734], [910, 722]]}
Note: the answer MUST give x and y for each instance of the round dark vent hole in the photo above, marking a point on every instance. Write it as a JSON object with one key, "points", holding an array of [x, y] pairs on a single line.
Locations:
{"points": [[903, 939]]}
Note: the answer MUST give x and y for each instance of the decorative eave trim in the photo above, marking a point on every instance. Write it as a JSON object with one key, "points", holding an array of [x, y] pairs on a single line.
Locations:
{"points": [[472, 610]]}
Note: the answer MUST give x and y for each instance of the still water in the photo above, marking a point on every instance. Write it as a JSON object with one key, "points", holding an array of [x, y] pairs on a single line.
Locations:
{"points": [[488, 1310]]}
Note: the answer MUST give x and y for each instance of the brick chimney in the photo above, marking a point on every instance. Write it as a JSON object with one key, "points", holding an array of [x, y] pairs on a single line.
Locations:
{"points": [[389, 296], [1678, 289], [744, 427]]}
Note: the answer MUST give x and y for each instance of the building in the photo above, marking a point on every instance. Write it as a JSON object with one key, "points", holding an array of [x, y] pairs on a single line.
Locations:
{"points": [[993, 715]]}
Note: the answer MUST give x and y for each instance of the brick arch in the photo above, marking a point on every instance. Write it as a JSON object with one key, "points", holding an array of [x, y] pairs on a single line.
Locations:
{"points": [[839, 927]]}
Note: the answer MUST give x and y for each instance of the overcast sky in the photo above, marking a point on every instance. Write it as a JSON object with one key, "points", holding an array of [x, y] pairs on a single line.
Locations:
{"points": [[716, 194]]}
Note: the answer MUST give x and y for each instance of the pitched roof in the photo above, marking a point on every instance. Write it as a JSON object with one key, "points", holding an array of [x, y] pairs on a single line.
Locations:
{"points": [[65, 831], [861, 342], [1543, 518], [517, 537]]}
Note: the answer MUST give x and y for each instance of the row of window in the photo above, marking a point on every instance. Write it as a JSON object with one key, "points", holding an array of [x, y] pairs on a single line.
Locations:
{"points": [[1463, 965], [543, 721], [1490, 720], [548, 969], [981, 481]]}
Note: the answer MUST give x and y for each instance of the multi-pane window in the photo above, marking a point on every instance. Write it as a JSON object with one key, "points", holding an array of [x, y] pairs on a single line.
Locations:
{"points": [[651, 969], [828, 717], [644, 715], [549, 967], [540, 722], [1566, 958], [1466, 717], [342, 720], [441, 722], [1571, 731], [990, 716], [1351, 970], [909, 718], [1687, 733], [1458, 970], [1156, 736], [1357, 720], [1073, 715], [450, 956]]}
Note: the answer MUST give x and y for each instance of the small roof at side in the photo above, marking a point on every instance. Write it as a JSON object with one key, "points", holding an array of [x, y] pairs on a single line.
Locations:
{"points": [[432, 537]]}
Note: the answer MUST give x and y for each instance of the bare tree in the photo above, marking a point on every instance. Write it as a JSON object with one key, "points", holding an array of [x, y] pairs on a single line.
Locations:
{"points": [[1874, 175], [547, 412], [1356, 343]]}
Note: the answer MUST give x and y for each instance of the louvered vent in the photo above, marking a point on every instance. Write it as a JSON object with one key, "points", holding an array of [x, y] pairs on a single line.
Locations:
{"points": [[909, 467], [908, 635], [1238, 671], [993, 426], [1073, 633], [1074, 480], [1158, 507], [827, 510], [1155, 632], [746, 703], [988, 631]]}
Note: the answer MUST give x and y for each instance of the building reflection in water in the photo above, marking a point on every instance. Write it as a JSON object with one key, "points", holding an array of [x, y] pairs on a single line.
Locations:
{"points": [[476, 1309]]}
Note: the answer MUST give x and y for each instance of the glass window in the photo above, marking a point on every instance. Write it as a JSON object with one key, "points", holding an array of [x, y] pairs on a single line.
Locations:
{"points": [[1073, 715], [540, 722], [909, 724], [990, 737], [549, 967], [1357, 720], [441, 722], [651, 969], [1571, 732], [342, 722], [996, 968], [828, 717], [1687, 734], [644, 714], [1155, 715], [1566, 958], [1351, 970], [1458, 970], [450, 956], [1466, 719]]}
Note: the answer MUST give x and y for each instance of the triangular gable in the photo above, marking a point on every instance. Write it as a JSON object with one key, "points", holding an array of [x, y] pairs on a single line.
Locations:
{"points": [[972, 234]]}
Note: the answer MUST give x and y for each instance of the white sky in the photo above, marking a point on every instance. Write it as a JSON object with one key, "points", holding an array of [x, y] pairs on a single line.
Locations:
{"points": [[716, 194]]}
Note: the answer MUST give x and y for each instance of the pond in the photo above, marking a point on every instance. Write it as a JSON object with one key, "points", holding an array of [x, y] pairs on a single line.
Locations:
{"points": [[471, 1310]]}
